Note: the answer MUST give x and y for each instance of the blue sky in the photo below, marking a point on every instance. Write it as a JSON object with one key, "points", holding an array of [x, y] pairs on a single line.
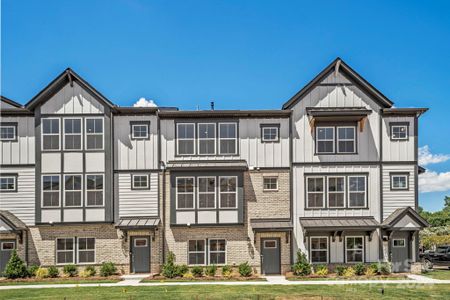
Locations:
{"points": [[241, 54]]}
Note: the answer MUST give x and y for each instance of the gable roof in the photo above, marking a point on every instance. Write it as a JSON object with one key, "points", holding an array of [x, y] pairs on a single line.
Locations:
{"points": [[399, 213], [12, 221], [67, 76], [10, 102], [341, 66]]}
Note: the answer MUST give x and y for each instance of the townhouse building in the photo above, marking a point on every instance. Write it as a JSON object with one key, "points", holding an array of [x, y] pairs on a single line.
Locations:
{"points": [[333, 173]]}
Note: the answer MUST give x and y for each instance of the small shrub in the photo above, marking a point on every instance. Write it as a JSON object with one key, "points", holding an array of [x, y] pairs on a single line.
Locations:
{"points": [[339, 270], [70, 270], [84, 274], [370, 272], [41, 273], [226, 271], [90, 270], [302, 267], [15, 268], [211, 270], [321, 270], [108, 269], [169, 270], [374, 268], [245, 270], [180, 270], [188, 275], [360, 269], [32, 270], [384, 269], [349, 272], [53, 272], [197, 271]]}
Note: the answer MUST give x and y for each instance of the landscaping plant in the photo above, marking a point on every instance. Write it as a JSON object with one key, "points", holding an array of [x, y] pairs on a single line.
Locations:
{"points": [[302, 267], [211, 270], [70, 270], [245, 270], [384, 269], [360, 269], [349, 272], [226, 271], [32, 270], [188, 275], [374, 268], [339, 270], [321, 270], [169, 270], [53, 272], [41, 273], [180, 270], [90, 270], [15, 268], [370, 272], [108, 269], [197, 271]]}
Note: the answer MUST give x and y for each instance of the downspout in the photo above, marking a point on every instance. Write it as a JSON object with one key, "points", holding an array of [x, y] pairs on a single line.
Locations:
{"points": [[380, 235], [291, 194], [26, 247], [162, 166]]}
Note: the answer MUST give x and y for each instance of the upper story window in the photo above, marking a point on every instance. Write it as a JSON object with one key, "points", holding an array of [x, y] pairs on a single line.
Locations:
{"points": [[73, 191], [8, 132], [185, 192], [8, 183], [399, 131], [140, 130], [140, 182], [315, 192], [335, 139], [50, 191], [50, 134], [357, 190], [270, 183], [206, 192], [336, 192], [72, 134], [227, 138], [270, 133], [94, 133], [228, 191], [399, 181], [94, 190], [185, 139], [206, 138]]}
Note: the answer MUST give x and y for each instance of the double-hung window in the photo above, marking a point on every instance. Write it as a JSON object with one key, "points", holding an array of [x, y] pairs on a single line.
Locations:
{"points": [[50, 134], [65, 251], [206, 192], [50, 191], [140, 131], [399, 131], [217, 251], [228, 191], [185, 138], [325, 140], [399, 181], [94, 190], [336, 192], [72, 134], [354, 249], [185, 192], [140, 182], [346, 139], [227, 138], [357, 191], [315, 192], [8, 183], [270, 133], [319, 249], [196, 252], [86, 250], [73, 190], [206, 138], [270, 183], [8, 132], [94, 133]]}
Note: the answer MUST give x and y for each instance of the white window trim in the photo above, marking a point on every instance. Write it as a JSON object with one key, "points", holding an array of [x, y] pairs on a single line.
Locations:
{"points": [[318, 250], [270, 177], [399, 188], [325, 140], [48, 134], [185, 193], [323, 192], [220, 192], [206, 193], [206, 139], [14, 135], [349, 191], [14, 189], [8, 242], [209, 251], [355, 249], [64, 133], [399, 138], [273, 240], [404, 243], [86, 134], [64, 190], [42, 190], [78, 251], [204, 253], [136, 246], [270, 140], [186, 139], [330, 192], [140, 187], [140, 137], [229, 139], [87, 190], [73, 251], [345, 140]]}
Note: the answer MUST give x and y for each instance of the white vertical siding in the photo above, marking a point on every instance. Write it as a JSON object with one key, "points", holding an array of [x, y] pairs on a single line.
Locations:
{"points": [[22, 202], [22, 150], [398, 150], [134, 203], [399, 198]]}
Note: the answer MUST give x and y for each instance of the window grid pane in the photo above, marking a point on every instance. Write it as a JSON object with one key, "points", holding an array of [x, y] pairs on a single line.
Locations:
{"points": [[325, 139], [64, 250], [86, 250], [207, 138], [186, 139], [354, 249], [228, 192], [50, 134], [217, 251], [315, 192], [270, 183], [94, 133], [140, 181], [270, 133], [185, 192], [50, 190], [196, 252], [346, 139], [206, 192], [227, 138], [7, 132], [7, 183], [94, 190], [319, 249], [357, 191]]}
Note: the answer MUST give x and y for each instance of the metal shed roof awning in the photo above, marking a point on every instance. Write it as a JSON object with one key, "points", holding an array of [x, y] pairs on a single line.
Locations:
{"points": [[338, 114], [266, 225], [342, 223], [138, 223], [207, 165]]}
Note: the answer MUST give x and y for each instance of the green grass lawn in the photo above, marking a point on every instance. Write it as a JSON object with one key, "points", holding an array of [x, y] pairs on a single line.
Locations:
{"points": [[438, 274], [68, 281], [357, 291]]}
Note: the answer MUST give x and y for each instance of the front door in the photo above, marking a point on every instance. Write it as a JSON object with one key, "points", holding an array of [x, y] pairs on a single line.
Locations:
{"points": [[140, 254], [400, 252], [270, 256], [6, 249]]}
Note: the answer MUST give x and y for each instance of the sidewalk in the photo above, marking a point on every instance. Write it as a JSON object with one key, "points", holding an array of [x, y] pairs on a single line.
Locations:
{"points": [[133, 280]]}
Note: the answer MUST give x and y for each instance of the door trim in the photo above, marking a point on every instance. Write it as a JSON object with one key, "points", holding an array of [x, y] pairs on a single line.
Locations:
{"points": [[261, 254], [131, 254]]}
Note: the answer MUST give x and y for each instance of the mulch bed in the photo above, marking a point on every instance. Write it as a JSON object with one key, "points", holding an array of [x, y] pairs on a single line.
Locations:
{"points": [[291, 276], [60, 279], [158, 278]]}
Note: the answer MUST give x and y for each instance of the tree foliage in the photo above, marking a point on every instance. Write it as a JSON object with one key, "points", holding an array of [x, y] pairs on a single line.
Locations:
{"points": [[439, 231]]}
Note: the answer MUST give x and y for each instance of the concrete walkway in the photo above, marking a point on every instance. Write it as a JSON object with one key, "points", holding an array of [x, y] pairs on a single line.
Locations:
{"points": [[133, 280]]}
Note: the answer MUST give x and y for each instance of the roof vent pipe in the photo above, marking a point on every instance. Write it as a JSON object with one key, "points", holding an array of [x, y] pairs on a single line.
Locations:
{"points": [[212, 105]]}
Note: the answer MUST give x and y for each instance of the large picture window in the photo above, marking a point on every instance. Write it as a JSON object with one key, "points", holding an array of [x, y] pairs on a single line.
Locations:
{"points": [[185, 139], [206, 192], [217, 252], [73, 190], [206, 138], [315, 192], [197, 252], [228, 191], [65, 250], [357, 191], [72, 134], [319, 249], [94, 133], [86, 250], [336, 192], [94, 190], [50, 191], [354, 249], [227, 138], [185, 192], [50, 134]]}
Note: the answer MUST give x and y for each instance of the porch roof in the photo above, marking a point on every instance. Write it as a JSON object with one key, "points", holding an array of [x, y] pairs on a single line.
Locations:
{"points": [[399, 214], [138, 222], [339, 223], [271, 224], [10, 223]]}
